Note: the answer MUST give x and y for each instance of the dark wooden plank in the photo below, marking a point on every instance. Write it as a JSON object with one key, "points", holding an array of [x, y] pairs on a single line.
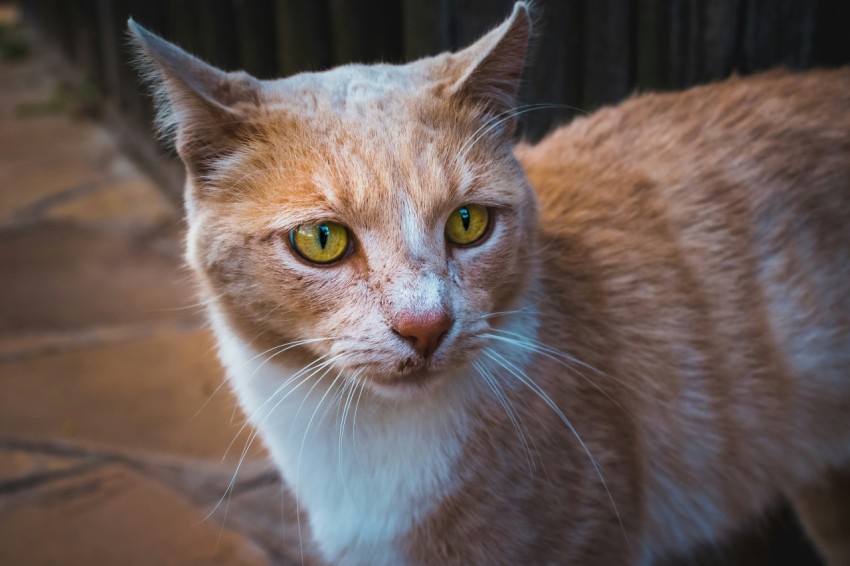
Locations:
{"points": [[216, 19], [608, 51], [651, 44], [427, 27], [474, 18], [182, 26], [679, 49], [797, 22], [256, 37], [831, 46], [366, 32], [760, 30], [89, 54], [111, 81], [553, 75], [65, 28], [720, 24], [302, 31], [206, 28]]}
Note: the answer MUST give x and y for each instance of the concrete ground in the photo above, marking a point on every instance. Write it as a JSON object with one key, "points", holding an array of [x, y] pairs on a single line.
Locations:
{"points": [[112, 423]]}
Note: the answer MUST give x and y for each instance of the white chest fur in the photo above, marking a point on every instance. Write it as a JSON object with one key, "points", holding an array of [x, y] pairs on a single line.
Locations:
{"points": [[364, 491]]}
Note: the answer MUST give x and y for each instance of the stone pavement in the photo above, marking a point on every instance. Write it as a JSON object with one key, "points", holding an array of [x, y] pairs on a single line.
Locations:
{"points": [[112, 423]]}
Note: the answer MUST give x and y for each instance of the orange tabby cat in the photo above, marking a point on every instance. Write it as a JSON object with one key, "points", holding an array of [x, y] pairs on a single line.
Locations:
{"points": [[601, 349]]}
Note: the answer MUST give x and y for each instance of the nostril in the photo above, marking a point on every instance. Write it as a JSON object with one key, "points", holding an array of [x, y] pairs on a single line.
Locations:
{"points": [[425, 331], [411, 339]]}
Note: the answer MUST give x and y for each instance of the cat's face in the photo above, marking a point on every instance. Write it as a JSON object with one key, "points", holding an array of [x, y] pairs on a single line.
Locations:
{"points": [[371, 212]]}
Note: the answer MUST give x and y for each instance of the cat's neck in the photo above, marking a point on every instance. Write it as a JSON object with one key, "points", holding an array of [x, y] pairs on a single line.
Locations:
{"points": [[365, 468]]}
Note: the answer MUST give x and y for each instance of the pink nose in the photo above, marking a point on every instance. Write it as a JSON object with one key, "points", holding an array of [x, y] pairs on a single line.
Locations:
{"points": [[423, 330]]}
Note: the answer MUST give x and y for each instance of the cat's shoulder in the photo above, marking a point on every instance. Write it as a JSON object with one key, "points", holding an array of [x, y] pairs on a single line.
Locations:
{"points": [[664, 131], [813, 94]]}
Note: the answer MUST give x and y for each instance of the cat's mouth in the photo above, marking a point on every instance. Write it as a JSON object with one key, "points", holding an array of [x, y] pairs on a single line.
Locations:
{"points": [[406, 385], [408, 373], [414, 375], [394, 373], [402, 377]]}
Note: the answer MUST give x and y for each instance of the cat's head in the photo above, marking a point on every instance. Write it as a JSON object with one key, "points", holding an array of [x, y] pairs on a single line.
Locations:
{"points": [[375, 212]]}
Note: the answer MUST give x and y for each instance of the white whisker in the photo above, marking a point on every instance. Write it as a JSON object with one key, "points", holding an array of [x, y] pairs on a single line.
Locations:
{"points": [[564, 360], [503, 401], [524, 378], [301, 451], [229, 489]]}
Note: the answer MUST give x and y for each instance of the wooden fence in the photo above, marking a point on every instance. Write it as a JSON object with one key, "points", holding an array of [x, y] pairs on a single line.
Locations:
{"points": [[587, 52]]}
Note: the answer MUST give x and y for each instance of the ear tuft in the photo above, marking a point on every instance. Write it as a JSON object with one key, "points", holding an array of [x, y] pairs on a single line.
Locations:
{"points": [[494, 64], [199, 106]]}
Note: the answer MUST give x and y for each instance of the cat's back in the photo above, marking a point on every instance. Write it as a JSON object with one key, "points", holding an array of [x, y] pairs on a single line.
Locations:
{"points": [[735, 170], [713, 222], [777, 124], [696, 246]]}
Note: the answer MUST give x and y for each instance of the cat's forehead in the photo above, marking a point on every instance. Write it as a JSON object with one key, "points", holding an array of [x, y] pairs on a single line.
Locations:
{"points": [[360, 140], [360, 144], [350, 91]]}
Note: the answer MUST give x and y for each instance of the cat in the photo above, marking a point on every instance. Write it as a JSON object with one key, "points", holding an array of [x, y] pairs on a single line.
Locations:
{"points": [[605, 348]]}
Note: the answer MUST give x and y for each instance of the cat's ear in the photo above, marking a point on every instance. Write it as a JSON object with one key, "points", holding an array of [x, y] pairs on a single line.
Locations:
{"points": [[491, 68], [204, 110]]}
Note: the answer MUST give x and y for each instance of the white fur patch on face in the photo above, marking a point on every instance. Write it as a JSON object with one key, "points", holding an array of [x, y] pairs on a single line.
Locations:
{"points": [[363, 483]]}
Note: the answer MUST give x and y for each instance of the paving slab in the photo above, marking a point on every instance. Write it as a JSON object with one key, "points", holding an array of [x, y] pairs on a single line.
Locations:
{"points": [[122, 518], [267, 513], [126, 202], [113, 424], [158, 394], [64, 277], [18, 467]]}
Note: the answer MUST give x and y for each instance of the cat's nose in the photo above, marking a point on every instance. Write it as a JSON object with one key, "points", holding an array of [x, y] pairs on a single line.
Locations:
{"points": [[424, 331]]}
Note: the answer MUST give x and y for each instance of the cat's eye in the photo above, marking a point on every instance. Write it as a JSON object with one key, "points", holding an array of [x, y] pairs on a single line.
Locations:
{"points": [[324, 242], [467, 224]]}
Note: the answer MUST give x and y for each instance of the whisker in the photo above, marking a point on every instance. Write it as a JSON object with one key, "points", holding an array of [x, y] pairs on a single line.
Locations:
{"points": [[562, 358], [499, 120], [511, 112], [537, 390], [363, 385], [224, 381], [229, 489], [553, 351], [301, 452], [280, 388], [500, 397], [542, 351], [280, 349], [198, 305], [326, 365], [345, 412]]}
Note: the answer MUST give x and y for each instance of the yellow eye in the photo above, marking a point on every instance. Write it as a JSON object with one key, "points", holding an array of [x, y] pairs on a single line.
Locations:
{"points": [[467, 224], [325, 242]]}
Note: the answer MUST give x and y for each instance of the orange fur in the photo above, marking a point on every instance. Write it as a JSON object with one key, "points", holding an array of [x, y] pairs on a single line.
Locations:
{"points": [[680, 272]]}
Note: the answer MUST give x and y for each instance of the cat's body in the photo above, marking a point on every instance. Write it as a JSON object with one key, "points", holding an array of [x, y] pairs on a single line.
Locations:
{"points": [[714, 258], [642, 351]]}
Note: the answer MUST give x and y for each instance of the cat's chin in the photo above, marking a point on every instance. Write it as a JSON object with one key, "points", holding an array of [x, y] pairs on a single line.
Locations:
{"points": [[407, 385]]}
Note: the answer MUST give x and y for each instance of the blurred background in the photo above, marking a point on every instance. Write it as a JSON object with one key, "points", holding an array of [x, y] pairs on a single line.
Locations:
{"points": [[118, 443], [587, 53]]}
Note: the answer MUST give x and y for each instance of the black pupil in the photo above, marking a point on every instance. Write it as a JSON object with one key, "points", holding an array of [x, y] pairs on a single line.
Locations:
{"points": [[464, 217], [324, 231]]}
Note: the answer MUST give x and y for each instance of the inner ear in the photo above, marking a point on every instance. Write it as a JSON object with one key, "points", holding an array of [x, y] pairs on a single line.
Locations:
{"points": [[205, 111]]}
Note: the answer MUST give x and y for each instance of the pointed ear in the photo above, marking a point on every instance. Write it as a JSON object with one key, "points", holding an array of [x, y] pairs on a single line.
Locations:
{"points": [[203, 109], [491, 68]]}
